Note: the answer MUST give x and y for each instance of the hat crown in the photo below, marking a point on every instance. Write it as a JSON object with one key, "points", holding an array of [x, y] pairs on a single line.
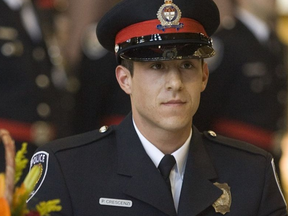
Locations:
{"points": [[168, 14]]}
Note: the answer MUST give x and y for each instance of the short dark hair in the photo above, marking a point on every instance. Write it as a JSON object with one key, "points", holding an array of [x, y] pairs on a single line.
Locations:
{"points": [[128, 64]]}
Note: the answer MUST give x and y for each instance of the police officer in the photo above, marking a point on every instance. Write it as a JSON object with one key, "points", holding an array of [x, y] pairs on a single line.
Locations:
{"points": [[246, 96], [99, 100], [154, 162], [31, 105]]}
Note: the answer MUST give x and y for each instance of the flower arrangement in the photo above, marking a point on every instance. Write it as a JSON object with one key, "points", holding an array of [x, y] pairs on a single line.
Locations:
{"points": [[12, 198]]}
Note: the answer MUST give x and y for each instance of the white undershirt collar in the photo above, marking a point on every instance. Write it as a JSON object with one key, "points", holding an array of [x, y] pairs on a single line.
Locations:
{"points": [[156, 155]]}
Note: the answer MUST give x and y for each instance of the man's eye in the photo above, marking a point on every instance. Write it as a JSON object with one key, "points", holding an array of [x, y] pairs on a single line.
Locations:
{"points": [[187, 65], [157, 66]]}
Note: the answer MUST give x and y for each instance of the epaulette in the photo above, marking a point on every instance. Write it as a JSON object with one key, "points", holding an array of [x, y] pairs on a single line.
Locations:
{"points": [[233, 143], [80, 139]]}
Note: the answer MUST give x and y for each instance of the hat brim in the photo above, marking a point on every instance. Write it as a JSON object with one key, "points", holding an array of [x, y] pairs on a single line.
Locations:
{"points": [[167, 52], [166, 47]]}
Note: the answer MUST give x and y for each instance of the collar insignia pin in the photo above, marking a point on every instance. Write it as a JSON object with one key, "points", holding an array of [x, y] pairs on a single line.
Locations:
{"points": [[222, 205], [169, 15]]}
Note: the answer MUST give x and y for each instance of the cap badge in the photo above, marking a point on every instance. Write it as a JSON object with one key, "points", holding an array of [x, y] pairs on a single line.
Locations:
{"points": [[169, 15], [222, 205]]}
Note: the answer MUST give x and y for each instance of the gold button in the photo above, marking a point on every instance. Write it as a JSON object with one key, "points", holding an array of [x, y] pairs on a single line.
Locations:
{"points": [[12, 49], [43, 110], [7, 33], [103, 129], [41, 132], [42, 81], [212, 133], [39, 54]]}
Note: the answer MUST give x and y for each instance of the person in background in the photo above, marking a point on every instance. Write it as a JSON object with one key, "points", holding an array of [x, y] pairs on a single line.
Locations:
{"points": [[155, 162], [247, 91], [32, 89], [99, 100]]}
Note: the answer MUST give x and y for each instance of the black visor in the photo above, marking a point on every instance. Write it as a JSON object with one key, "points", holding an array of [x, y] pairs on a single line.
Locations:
{"points": [[168, 52], [166, 47]]}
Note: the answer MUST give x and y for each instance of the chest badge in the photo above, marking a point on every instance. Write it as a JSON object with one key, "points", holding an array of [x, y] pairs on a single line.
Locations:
{"points": [[223, 204], [169, 15]]}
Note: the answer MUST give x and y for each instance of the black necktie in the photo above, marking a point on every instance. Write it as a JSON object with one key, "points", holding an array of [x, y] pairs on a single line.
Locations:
{"points": [[165, 166]]}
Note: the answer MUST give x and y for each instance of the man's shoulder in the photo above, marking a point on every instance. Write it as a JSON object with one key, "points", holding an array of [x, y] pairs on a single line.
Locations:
{"points": [[233, 144], [80, 140]]}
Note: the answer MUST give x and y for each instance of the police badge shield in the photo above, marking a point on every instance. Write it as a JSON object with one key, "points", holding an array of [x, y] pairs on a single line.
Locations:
{"points": [[169, 15], [223, 204], [40, 159]]}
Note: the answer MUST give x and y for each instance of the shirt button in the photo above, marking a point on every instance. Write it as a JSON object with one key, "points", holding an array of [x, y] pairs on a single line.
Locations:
{"points": [[42, 81], [43, 110]]}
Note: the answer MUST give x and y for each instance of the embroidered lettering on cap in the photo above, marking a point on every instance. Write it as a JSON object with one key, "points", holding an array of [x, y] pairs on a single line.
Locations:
{"points": [[115, 202]]}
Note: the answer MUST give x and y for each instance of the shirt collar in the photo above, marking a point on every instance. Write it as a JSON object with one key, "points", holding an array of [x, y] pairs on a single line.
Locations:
{"points": [[156, 155], [259, 28]]}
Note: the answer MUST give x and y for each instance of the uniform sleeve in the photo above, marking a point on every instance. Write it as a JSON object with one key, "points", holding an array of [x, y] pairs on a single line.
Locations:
{"points": [[273, 202], [51, 184]]}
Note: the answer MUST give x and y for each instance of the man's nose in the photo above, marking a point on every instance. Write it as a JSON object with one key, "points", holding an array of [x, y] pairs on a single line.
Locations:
{"points": [[174, 80]]}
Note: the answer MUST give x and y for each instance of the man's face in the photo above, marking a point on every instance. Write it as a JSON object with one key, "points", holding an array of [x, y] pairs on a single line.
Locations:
{"points": [[165, 95]]}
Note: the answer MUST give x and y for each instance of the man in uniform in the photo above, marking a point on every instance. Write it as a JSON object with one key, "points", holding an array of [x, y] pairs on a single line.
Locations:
{"points": [[31, 105], [247, 91], [154, 162]]}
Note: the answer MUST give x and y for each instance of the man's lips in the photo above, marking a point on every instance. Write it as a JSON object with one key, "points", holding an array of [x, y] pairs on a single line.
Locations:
{"points": [[174, 102]]}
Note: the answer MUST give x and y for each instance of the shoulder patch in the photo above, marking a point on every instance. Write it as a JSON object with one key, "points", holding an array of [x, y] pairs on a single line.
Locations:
{"points": [[237, 144], [80, 139], [40, 159]]}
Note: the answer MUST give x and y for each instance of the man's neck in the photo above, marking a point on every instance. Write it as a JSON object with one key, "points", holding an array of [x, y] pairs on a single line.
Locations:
{"points": [[166, 141]]}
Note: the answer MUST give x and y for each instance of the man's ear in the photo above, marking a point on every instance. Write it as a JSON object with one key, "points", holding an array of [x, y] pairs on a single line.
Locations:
{"points": [[123, 77], [205, 75]]}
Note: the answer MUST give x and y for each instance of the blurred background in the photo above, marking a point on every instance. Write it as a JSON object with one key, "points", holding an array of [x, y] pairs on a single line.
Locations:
{"points": [[56, 80]]}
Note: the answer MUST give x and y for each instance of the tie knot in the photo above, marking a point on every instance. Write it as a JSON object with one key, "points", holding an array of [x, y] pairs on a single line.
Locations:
{"points": [[166, 165]]}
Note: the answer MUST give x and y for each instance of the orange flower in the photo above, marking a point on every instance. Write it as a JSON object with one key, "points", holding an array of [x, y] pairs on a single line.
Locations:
{"points": [[19, 199], [2, 185], [21, 193], [16, 197], [4, 206]]}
